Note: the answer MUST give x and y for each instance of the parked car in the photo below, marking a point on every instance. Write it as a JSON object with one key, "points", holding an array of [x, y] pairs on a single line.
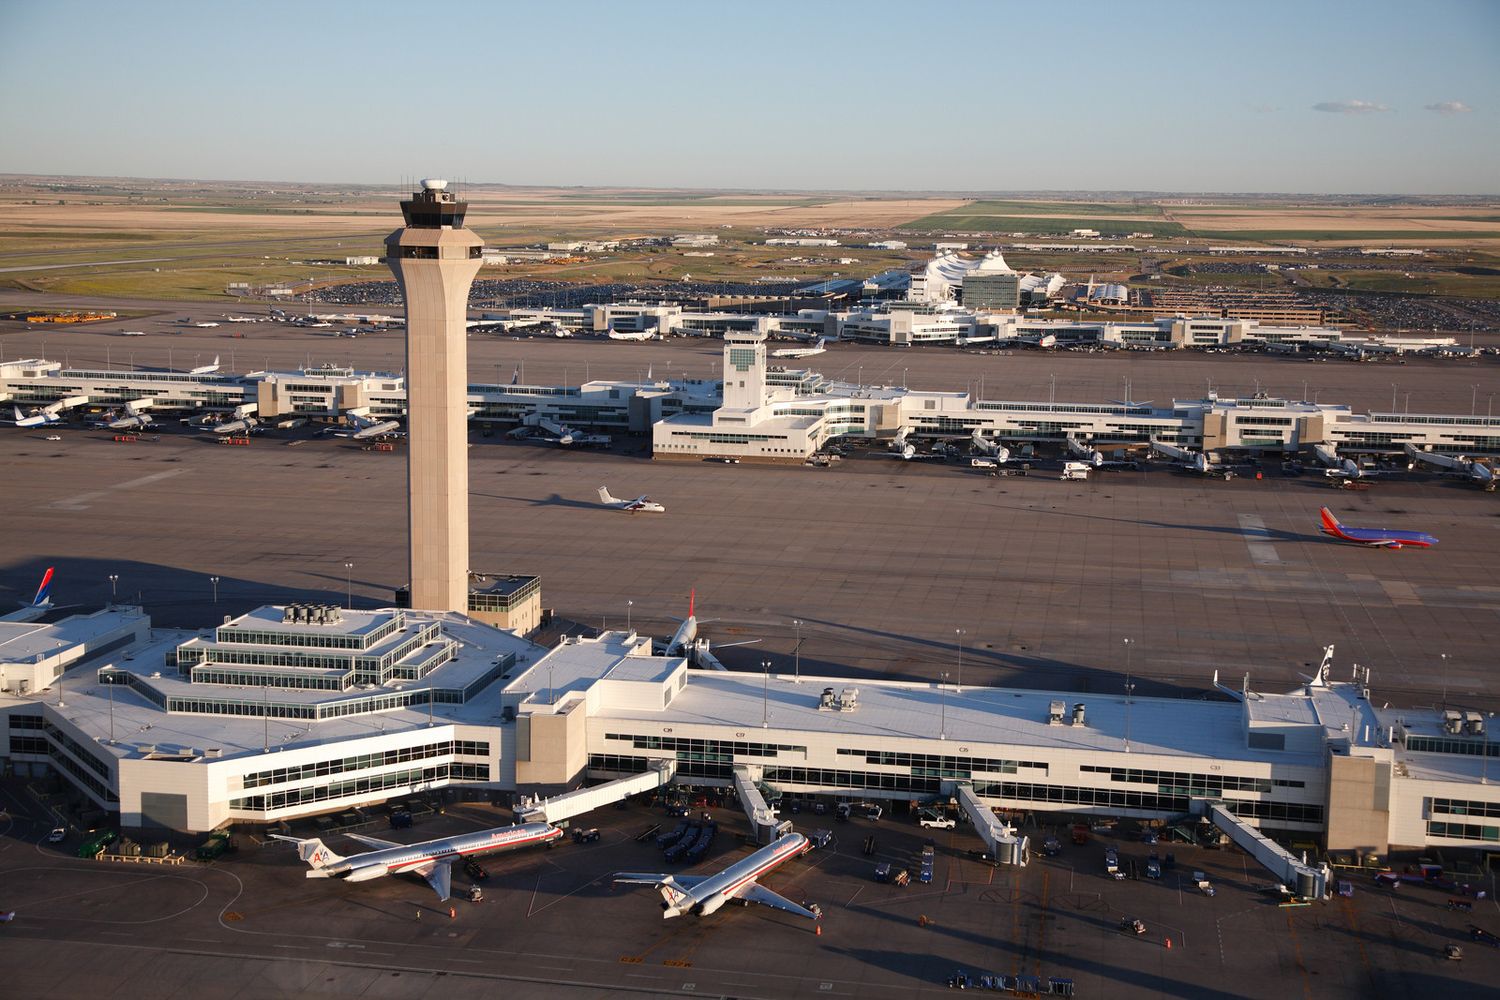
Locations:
{"points": [[57, 835]]}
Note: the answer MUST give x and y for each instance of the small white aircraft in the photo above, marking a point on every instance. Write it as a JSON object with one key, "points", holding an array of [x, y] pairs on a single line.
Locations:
{"points": [[135, 418], [205, 326], [243, 319], [1459, 466], [362, 428], [1192, 461], [705, 894], [41, 418], [638, 505], [132, 333], [205, 369], [802, 352], [629, 335]]}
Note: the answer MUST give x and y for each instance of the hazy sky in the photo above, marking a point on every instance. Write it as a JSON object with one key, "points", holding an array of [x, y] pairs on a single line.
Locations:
{"points": [[1302, 96]]}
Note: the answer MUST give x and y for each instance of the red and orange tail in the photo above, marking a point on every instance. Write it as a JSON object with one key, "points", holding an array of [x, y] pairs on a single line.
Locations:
{"points": [[692, 598], [1330, 523]]}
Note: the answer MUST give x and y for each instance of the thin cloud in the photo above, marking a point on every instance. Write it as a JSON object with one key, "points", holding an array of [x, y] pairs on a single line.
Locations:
{"points": [[1449, 107], [1349, 107]]}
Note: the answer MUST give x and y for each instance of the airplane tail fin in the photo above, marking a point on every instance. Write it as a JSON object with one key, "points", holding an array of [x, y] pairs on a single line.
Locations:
{"points": [[312, 851], [1330, 523], [692, 599], [675, 902], [43, 596], [605, 498]]}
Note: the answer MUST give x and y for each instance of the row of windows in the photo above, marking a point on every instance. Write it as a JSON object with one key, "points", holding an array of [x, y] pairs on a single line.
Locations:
{"points": [[1441, 744], [362, 762], [28, 744], [78, 750], [1463, 831], [214, 674], [1466, 807], [724, 748], [361, 786], [890, 758], [1214, 781], [26, 722]]}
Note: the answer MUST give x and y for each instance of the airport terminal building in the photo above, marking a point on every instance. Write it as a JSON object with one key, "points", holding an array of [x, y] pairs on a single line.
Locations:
{"points": [[287, 712]]}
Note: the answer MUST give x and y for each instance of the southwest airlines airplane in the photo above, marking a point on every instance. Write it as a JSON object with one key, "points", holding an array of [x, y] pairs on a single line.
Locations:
{"points": [[1384, 538]]}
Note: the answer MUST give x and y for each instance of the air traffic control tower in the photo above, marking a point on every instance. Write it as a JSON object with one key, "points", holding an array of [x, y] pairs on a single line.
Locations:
{"points": [[435, 260]]}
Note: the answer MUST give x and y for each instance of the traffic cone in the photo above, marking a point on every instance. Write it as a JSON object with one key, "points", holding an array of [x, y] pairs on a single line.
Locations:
{"points": [[1169, 944]]}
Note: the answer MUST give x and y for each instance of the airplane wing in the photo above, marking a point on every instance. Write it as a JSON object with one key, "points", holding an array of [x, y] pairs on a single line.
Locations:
{"points": [[439, 875], [374, 842], [753, 892], [657, 878]]}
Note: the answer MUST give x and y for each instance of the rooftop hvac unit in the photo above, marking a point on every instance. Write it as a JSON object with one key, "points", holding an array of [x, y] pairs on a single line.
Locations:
{"points": [[826, 700], [848, 699], [1474, 723], [1078, 714], [1452, 722], [1055, 712]]}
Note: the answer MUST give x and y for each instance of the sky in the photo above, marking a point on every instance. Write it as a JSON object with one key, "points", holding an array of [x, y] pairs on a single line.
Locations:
{"points": [[1379, 96]]}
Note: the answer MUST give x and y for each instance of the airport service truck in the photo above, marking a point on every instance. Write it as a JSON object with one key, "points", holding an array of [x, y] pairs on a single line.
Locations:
{"points": [[1074, 471]]}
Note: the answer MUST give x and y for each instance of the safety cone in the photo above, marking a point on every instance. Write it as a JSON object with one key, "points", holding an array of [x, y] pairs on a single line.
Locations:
{"points": [[819, 930], [1169, 944]]}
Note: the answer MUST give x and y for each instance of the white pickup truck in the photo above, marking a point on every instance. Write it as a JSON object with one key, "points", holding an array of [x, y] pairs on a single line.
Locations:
{"points": [[932, 820]]}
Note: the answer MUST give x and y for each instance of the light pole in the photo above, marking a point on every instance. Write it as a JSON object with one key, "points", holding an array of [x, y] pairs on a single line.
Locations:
{"points": [[114, 578], [797, 652], [943, 718], [628, 606], [960, 634], [1129, 688], [215, 581], [1444, 657], [765, 698], [349, 585]]}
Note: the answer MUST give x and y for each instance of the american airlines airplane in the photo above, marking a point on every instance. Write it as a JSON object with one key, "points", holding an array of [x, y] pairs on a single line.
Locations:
{"points": [[1381, 538], [705, 894], [431, 859]]}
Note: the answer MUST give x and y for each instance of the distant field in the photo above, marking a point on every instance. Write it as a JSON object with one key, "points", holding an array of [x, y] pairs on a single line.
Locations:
{"points": [[1343, 235], [963, 221]]}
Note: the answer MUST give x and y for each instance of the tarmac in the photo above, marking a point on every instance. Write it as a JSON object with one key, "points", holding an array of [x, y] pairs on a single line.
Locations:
{"points": [[552, 924], [882, 561]]}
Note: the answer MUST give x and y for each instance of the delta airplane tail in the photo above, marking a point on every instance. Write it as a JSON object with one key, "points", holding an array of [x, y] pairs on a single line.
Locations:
{"points": [[43, 598]]}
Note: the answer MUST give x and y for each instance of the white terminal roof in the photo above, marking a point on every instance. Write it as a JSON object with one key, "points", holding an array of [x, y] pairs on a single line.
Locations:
{"points": [[137, 722]]}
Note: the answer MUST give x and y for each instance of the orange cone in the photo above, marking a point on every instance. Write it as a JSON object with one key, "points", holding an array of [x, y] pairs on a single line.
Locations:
{"points": [[1169, 944]]}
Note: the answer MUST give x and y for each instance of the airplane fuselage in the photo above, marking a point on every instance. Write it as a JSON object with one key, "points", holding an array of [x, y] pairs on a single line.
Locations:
{"points": [[393, 860], [708, 896]]}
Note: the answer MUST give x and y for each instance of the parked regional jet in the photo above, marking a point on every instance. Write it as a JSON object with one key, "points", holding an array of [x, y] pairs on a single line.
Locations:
{"points": [[431, 859], [1478, 473], [135, 418], [638, 505], [704, 894], [802, 352], [1095, 458], [1339, 466], [40, 604], [1384, 538], [1192, 461], [205, 369], [997, 453], [632, 335], [205, 325], [40, 418], [362, 428]]}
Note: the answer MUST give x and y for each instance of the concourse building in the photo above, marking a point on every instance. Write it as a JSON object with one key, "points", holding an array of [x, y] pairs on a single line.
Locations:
{"points": [[294, 711]]}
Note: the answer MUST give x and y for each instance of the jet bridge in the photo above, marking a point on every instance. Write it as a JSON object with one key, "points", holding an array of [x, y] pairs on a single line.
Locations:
{"points": [[584, 800], [1307, 881], [763, 820], [1000, 838]]}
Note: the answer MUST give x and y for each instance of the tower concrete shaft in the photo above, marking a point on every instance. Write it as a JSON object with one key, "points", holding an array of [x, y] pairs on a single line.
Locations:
{"points": [[435, 260]]}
